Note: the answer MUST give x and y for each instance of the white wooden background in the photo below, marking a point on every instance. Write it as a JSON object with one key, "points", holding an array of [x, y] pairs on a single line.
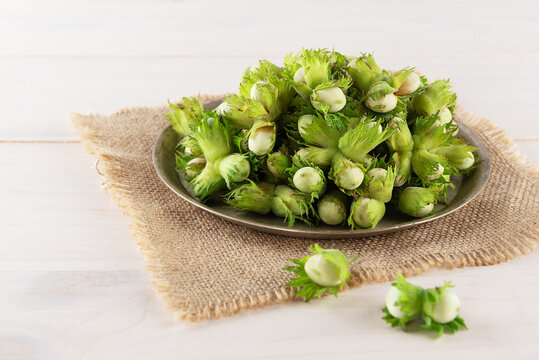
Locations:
{"points": [[72, 283]]}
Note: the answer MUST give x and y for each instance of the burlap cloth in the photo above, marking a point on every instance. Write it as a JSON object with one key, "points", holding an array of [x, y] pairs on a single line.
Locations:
{"points": [[205, 268]]}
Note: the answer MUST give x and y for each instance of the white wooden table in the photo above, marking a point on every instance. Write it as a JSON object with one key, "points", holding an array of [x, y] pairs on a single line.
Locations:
{"points": [[72, 282]]}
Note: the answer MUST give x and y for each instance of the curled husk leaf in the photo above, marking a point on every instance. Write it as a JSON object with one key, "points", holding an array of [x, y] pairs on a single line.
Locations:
{"points": [[363, 71], [252, 197], [380, 182], [417, 201], [327, 270], [183, 116], [277, 164], [433, 98], [291, 205], [366, 213]]}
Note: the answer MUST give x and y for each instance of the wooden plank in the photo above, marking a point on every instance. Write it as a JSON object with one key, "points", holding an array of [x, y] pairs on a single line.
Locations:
{"points": [[55, 216], [115, 314], [37, 93], [530, 150], [242, 28]]}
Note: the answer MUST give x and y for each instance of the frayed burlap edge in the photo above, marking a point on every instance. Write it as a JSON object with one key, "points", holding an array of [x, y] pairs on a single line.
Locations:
{"points": [[121, 195]]}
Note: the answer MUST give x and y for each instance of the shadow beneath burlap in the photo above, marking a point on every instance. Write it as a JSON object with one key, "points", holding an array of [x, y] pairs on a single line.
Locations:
{"points": [[204, 267]]}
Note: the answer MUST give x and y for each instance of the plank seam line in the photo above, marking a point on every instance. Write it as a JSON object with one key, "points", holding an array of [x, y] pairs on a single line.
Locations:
{"points": [[40, 141], [526, 55], [74, 141]]}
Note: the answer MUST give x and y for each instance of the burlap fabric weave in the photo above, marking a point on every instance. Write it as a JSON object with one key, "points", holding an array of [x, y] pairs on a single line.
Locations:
{"points": [[205, 268]]}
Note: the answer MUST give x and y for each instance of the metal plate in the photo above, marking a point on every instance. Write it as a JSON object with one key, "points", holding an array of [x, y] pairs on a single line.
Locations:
{"points": [[467, 188]]}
